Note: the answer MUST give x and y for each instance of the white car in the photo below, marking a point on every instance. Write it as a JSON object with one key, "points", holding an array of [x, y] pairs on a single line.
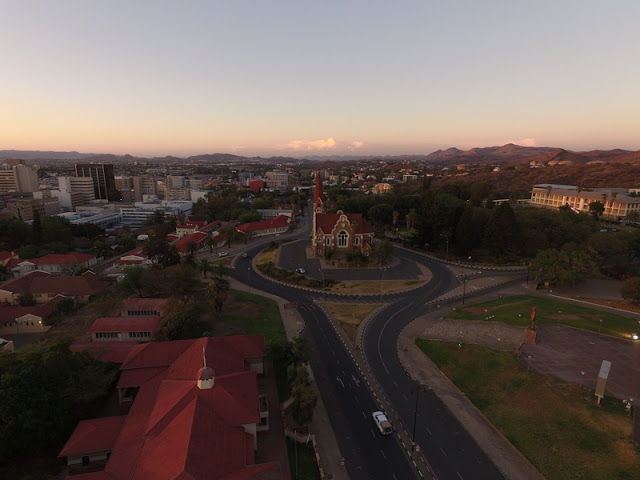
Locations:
{"points": [[301, 271], [382, 422], [223, 254]]}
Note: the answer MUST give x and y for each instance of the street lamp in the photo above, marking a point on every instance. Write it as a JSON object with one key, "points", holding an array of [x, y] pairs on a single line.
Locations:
{"points": [[381, 277], [320, 270], [249, 272], [446, 255], [464, 286]]}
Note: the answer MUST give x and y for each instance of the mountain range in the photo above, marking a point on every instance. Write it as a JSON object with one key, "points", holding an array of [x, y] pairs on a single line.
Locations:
{"points": [[498, 155]]}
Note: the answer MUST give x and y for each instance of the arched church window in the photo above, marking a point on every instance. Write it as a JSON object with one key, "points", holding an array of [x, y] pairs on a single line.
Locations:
{"points": [[343, 239]]}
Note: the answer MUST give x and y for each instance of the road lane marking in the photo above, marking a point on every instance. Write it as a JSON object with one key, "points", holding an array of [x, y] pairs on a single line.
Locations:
{"points": [[385, 457], [340, 380], [382, 333], [443, 452], [460, 476]]}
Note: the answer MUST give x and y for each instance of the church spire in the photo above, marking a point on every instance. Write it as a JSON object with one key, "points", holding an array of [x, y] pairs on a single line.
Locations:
{"points": [[318, 193]]}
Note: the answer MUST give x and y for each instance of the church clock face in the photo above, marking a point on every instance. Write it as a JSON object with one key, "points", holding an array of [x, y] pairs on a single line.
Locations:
{"points": [[318, 210]]}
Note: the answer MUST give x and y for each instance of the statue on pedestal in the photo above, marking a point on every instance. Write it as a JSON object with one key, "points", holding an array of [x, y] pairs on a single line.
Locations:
{"points": [[533, 318]]}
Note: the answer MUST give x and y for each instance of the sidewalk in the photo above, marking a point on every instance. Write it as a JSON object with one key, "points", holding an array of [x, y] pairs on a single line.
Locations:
{"points": [[328, 449]]}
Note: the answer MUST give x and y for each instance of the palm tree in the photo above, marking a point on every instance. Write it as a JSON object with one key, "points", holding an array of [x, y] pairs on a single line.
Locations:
{"points": [[218, 292], [205, 267], [210, 242]]}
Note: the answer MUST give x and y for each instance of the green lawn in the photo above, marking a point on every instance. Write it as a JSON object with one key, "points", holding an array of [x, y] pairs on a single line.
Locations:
{"points": [[556, 425], [264, 318], [516, 310]]}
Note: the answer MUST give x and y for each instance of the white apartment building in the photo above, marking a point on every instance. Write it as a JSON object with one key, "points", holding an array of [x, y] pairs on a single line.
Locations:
{"points": [[277, 180], [617, 202], [82, 185]]}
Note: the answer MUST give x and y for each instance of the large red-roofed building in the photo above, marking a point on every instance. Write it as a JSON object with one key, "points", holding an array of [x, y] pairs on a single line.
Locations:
{"points": [[195, 414], [275, 225]]}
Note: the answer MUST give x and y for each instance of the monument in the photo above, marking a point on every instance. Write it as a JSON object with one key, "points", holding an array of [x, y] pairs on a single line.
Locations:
{"points": [[530, 333]]}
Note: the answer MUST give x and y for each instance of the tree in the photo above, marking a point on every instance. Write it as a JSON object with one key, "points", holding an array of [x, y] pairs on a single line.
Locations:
{"points": [[180, 323], [218, 292], [133, 280], [205, 267], [100, 248], [501, 231], [65, 306], [304, 398], [630, 289], [36, 228], [160, 252], [381, 215], [26, 299], [210, 243], [560, 267], [596, 209], [384, 251], [45, 391]]}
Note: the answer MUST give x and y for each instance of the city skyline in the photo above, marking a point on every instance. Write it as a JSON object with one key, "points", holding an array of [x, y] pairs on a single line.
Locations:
{"points": [[294, 79]]}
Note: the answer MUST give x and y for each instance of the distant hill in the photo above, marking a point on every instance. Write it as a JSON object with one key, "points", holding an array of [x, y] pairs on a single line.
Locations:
{"points": [[498, 155]]}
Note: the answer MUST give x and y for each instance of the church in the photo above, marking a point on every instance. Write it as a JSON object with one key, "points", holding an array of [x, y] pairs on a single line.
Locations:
{"points": [[338, 233]]}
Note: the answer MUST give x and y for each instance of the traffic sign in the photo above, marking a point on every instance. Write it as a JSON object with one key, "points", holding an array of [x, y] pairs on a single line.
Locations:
{"points": [[418, 448]]}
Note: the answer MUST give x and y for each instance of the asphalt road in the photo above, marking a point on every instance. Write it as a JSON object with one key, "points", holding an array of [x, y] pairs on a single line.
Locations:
{"points": [[447, 446]]}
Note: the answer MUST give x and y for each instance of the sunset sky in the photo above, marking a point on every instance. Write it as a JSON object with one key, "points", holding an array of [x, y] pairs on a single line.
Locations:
{"points": [[303, 77]]}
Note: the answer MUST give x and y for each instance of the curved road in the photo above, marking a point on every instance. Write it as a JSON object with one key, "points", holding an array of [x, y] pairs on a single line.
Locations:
{"points": [[448, 448]]}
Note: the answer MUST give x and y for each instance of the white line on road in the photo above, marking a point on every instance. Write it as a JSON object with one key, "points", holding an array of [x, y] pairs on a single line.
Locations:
{"points": [[383, 455], [460, 476], [443, 452], [429, 431], [382, 333], [340, 380]]}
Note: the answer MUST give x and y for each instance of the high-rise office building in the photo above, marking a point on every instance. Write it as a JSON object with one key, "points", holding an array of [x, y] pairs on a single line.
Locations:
{"points": [[144, 185], [18, 178], [104, 182]]}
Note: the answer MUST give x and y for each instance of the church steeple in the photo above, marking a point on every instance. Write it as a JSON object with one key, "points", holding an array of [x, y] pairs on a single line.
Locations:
{"points": [[318, 194]]}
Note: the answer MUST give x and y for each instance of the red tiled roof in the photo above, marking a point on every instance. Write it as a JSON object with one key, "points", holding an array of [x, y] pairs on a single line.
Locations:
{"points": [[62, 259], [7, 255], [115, 352], [71, 286], [176, 430], [8, 314], [23, 283], [137, 303], [196, 237], [125, 324], [275, 222], [96, 435], [327, 221], [13, 263]]}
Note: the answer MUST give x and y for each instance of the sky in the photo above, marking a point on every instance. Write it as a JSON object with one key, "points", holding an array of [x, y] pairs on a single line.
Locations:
{"points": [[303, 77]]}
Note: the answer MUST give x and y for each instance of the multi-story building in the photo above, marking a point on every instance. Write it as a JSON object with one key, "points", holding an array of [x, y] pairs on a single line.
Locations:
{"points": [[618, 202], [277, 180], [104, 183], [77, 185], [18, 178], [24, 208], [144, 185], [124, 183]]}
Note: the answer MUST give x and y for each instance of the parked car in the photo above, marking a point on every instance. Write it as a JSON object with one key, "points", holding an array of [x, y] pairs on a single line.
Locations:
{"points": [[223, 254], [382, 422], [301, 271]]}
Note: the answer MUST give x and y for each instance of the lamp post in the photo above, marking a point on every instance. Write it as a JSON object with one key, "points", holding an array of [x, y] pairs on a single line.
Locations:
{"points": [[464, 286], [249, 273], [320, 270], [381, 277], [446, 237]]}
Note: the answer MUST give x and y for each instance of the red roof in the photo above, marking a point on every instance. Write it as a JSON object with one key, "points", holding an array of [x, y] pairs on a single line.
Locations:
{"points": [[70, 286], [63, 259], [149, 304], [125, 324], [276, 222], [96, 435], [327, 221], [197, 237], [9, 313], [23, 283], [13, 263], [7, 255], [177, 430]]}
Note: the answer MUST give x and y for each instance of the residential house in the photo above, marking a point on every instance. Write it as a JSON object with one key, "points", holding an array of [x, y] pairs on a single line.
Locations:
{"points": [[195, 414], [142, 307], [64, 263], [124, 329], [273, 226], [45, 286], [32, 319]]}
